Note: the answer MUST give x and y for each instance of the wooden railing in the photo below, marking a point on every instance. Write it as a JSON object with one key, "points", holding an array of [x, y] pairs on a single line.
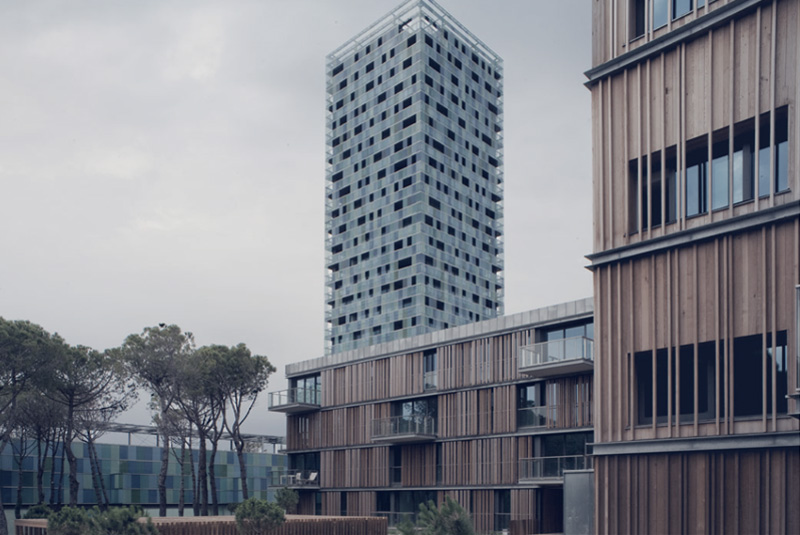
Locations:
{"points": [[226, 525]]}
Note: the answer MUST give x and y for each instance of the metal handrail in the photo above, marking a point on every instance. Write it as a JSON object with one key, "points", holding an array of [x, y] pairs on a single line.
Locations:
{"points": [[308, 396], [300, 478], [552, 467], [578, 347], [534, 416], [403, 425]]}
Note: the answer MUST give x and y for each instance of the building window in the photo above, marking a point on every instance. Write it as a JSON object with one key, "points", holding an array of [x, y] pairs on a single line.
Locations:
{"points": [[660, 15], [676, 371], [696, 177], [719, 174], [430, 377], [637, 18], [748, 375], [531, 406], [743, 164], [681, 8]]}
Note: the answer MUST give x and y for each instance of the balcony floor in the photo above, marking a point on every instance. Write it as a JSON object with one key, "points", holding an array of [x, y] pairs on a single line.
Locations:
{"points": [[561, 367], [409, 438], [294, 408]]}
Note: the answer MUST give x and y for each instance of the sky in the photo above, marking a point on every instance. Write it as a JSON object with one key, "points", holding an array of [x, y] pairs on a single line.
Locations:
{"points": [[162, 161]]}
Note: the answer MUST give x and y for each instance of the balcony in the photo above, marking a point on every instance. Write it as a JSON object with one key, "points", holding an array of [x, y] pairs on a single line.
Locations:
{"points": [[404, 429], [557, 357], [533, 417], [550, 470], [295, 400], [300, 479]]}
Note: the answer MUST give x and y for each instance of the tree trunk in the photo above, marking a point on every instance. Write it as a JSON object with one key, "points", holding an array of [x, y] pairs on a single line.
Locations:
{"points": [[242, 468], [102, 496], [98, 497], [18, 504], [40, 457], [162, 474], [3, 523], [202, 475], [212, 476], [182, 494], [60, 493], [195, 486]]}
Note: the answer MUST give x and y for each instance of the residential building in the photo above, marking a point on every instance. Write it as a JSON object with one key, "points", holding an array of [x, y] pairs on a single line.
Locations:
{"points": [[491, 414], [414, 180], [696, 263]]}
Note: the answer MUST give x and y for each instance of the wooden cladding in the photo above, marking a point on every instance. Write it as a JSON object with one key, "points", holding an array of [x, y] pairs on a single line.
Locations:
{"points": [[474, 363], [478, 412], [348, 503], [376, 379], [489, 461], [714, 291], [652, 120], [365, 467], [746, 491]]}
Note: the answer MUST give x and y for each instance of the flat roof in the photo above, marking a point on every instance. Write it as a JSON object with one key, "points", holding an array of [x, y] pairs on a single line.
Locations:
{"points": [[540, 317]]}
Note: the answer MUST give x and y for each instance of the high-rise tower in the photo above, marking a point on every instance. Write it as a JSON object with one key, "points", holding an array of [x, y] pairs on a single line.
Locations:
{"points": [[414, 216]]}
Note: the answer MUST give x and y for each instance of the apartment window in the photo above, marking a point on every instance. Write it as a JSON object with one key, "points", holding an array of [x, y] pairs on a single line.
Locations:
{"points": [[719, 175], [307, 389], [696, 177], [675, 372], [637, 18], [743, 163], [781, 151], [777, 152], [681, 8], [430, 377], [660, 15], [531, 406], [748, 375]]}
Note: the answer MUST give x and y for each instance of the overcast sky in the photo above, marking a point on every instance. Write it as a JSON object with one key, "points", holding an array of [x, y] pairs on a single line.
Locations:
{"points": [[163, 161]]}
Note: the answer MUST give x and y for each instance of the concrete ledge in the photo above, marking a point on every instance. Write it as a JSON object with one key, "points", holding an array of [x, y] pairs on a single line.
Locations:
{"points": [[694, 444]]}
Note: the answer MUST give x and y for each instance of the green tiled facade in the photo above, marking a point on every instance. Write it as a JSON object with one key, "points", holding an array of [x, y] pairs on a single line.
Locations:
{"points": [[130, 474]]}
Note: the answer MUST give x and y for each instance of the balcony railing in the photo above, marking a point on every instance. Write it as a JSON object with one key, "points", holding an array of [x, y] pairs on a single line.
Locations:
{"points": [[551, 469], [557, 357], [535, 416], [295, 400], [399, 429], [300, 479], [430, 381]]}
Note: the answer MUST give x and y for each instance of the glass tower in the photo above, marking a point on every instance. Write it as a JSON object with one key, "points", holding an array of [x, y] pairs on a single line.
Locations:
{"points": [[414, 180]]}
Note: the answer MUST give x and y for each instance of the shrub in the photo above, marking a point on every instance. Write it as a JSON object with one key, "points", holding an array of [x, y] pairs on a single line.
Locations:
{"points": [[287, 498], [449, 519], [38, 511], [121, 521], [258, 517], [114, 521], [69, 521]]}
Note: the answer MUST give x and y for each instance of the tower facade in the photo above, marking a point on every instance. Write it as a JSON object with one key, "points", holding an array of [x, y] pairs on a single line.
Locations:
{"points": [[414, 180], [696, 265]]}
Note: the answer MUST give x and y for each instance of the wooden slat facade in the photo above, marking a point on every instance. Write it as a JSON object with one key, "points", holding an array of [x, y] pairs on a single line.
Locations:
{"points": [[478, 441], [670, 289]]}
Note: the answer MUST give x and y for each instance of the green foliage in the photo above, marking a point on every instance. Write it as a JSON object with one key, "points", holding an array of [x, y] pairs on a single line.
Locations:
{"points": [[406, 527], [121, 521], [449, 519], [287, 498], [38, 511], [69, 521], [258, 517], [114, 521]]}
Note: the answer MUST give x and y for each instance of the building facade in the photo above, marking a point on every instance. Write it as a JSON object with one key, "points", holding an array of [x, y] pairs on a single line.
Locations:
{"points": [[696, 151], [490, 414], [129, 475], [414, 180]]}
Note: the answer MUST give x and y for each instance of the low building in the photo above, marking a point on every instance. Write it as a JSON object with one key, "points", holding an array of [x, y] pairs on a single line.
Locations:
{"points": [[491, 414], [130, 475]]}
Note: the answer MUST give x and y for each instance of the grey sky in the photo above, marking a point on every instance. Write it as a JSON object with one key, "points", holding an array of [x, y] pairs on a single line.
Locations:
{"points": [[163, 161]]}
